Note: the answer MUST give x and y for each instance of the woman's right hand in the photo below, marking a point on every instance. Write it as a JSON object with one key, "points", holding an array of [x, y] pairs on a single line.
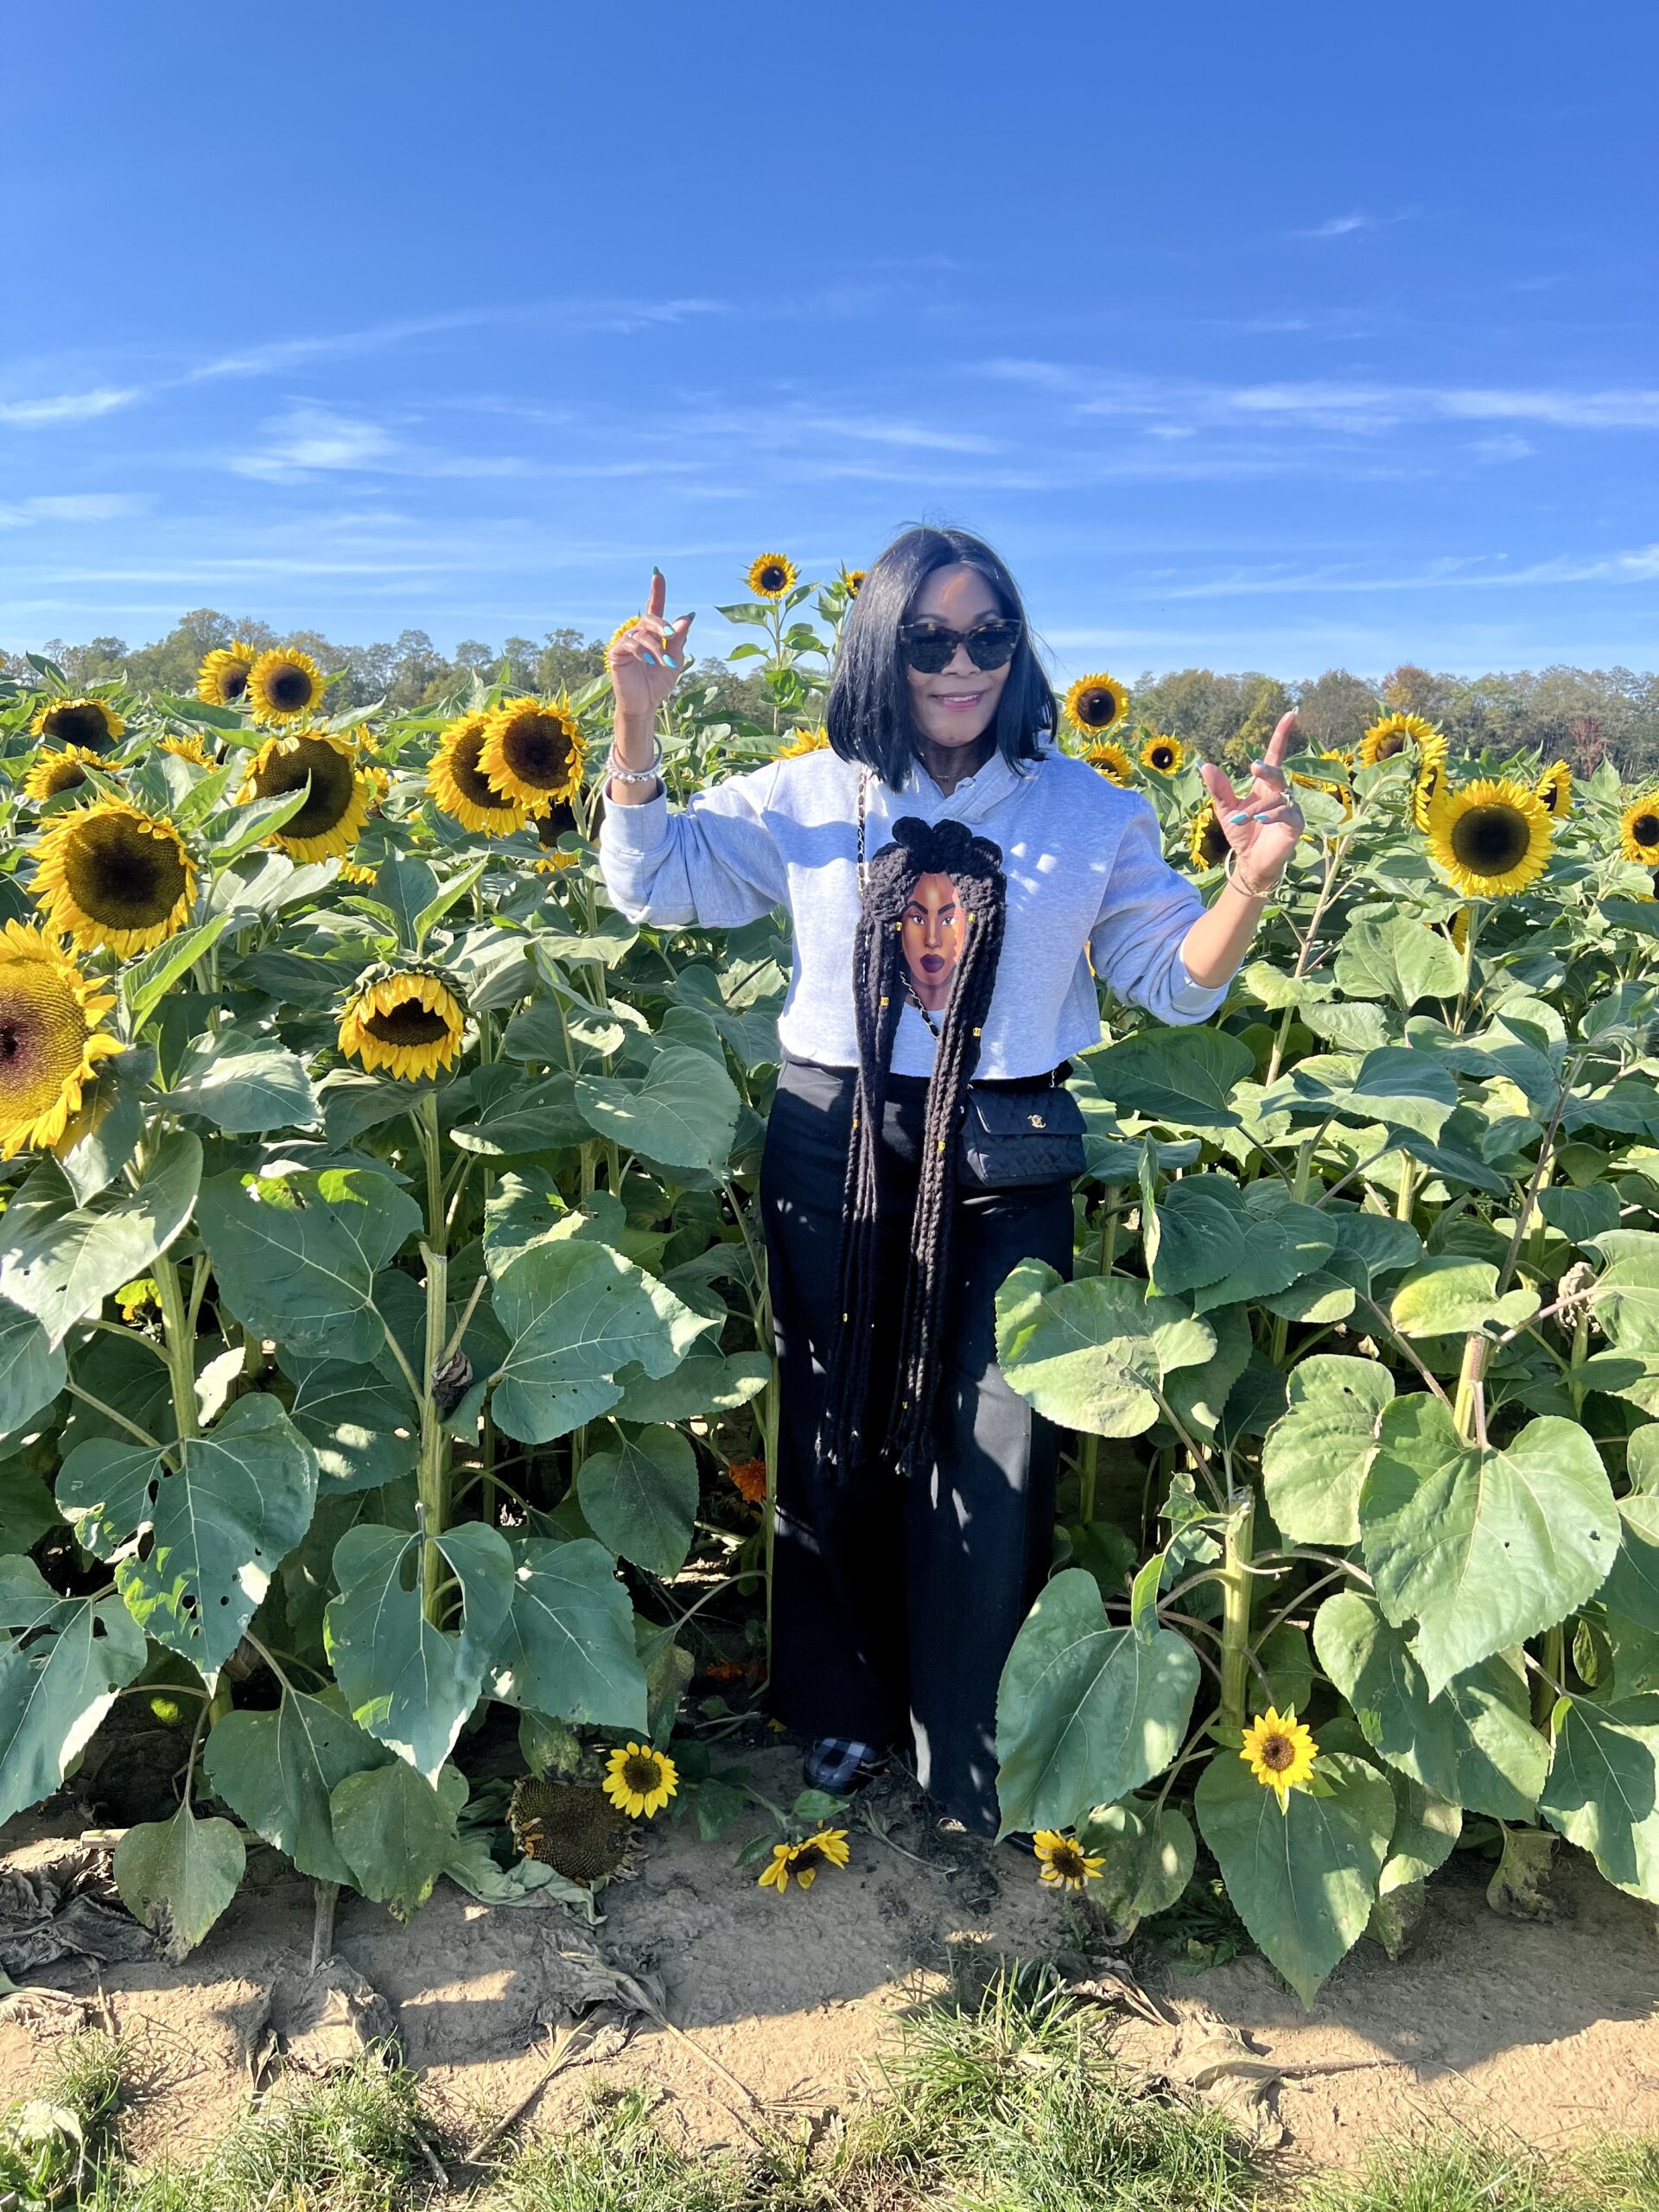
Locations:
{"points": [[646, 661]]}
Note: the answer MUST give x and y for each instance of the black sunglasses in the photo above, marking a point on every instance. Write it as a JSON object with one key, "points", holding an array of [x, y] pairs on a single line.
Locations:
{"points": [[929, 647]]}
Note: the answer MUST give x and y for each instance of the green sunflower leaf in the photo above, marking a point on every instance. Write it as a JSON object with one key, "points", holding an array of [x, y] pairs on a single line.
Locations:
{"points": [[178, 1876], [1315, 1459], [57, 1689], [1603, 1791], [568, 1650], [641, 1499], [276, 1771], [1092, 1354], [60, 1262], [303, 1273]]}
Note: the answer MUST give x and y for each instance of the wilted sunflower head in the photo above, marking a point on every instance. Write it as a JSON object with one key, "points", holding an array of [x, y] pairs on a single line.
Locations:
{"points": [[52, 1037], [113, 878], [336, 807], [570, 1826], [1207, 847], [1553, 791], [90, 722], [533, 753], [460, 788], [60, 770], [407, 1019], [771, 574], [1096, 705], [804, 741], [1638, 829], [1163, 755], [1492, 838], [1109, 759], [222, 679], [1398, 734], [283, 685]]}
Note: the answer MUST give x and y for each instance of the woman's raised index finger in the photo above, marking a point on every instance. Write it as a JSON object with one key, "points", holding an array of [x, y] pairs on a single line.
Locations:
{"points": [[658, 599], [1279, 743]]}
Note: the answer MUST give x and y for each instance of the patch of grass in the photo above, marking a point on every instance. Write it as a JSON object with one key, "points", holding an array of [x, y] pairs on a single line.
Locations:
{"points": [[1450, 2174], [620, 2162], [1622, 2171]]}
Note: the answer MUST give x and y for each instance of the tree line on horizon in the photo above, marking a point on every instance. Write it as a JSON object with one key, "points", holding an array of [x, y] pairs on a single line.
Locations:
{"points": [[1581, 715]]}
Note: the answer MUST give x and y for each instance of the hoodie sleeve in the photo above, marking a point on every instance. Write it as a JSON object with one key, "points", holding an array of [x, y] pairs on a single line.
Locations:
{"points": [[1136, 943], [714, 862]]}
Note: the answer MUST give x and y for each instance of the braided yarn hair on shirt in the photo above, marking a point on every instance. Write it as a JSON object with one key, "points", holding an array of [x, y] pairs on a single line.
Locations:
{"points": [[975, 866]]}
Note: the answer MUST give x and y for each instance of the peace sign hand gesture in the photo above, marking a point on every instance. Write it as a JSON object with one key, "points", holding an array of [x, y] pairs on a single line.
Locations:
{"points": [[1262, 824], [646, 659]]}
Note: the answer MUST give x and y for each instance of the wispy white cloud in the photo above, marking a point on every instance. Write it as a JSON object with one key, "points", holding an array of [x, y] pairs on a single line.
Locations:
{"points": [[1338, 227], [310, 442], [69, 506], [1639, 565], [67, 406]]}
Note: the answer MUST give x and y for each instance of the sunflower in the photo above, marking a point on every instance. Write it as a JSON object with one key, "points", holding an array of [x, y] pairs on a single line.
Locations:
{"points": [[331, 821], [1321, 783], [52, 1037], [1207, 847], [559, 818], [827, 1848], [640, 1780], [109, 876], [188, 748], [354, 872], [1393, 734], [804, 741], [852, 581], [1638, 830], [407, 1018], [533, 753], [283, 685], [461, 788], [1492, 838], [1279, 1752], [1109, 760], [62, 770], [1096, 705], [570, 1826], [749, 1479], [771, 574], [79, 722], [1163, 755], [378, 780], [1063, 1859], [1553, 791], [222, 679], [1428, 791], [620, 631]]}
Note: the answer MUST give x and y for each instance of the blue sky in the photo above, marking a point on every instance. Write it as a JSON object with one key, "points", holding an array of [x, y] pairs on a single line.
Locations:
{"points": [[1276, 338]]}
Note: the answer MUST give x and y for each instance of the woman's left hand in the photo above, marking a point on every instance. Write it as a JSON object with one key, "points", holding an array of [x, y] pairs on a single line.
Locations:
{"points": [[1263, 822]]}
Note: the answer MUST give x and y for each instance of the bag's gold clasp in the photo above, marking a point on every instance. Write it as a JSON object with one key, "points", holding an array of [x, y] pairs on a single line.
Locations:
{"points": [[1036, 1121]]}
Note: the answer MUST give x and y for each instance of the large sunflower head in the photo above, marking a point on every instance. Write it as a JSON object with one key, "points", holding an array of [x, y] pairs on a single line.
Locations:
{"points": [[771, 574], [460, 788], [283, 685], [222, 679], [1399, 734], [1096, 705], [1279, 1751], [111, 877], [1553, 791], [1492, 838], [337, 806], [804, 741], [60, 769], [407, 1019], [1163, 755], [1207, 847], [1638, 830], [533, 753], [570, 1826], [640, 1780], [1109, 759], [1062, 1859], [52, 1037], [90, 722]]}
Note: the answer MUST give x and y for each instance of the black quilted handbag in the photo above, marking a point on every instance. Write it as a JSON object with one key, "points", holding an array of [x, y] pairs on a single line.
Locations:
{"points": [[1010, 1137]]}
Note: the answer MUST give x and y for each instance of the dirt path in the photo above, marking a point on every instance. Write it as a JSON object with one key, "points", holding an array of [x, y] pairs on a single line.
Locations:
{"points": [[1544, 2029]]}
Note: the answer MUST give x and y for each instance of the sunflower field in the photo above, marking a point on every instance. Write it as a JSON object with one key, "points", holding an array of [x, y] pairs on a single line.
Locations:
{"points": [[384, 1377]]}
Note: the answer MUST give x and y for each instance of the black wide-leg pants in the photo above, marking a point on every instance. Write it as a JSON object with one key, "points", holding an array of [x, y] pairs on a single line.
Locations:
{"points": [[895, 1601]]}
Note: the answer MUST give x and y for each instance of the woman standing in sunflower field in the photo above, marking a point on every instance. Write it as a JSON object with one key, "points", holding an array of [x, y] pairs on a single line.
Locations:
{"points": [[916, 1152]]}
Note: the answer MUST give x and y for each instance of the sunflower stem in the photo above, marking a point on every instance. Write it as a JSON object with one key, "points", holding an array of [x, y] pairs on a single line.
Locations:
{"points": [[434, 1471], [1468, 1407], [1465, 997], [1237, 1592], [179, 1340]]}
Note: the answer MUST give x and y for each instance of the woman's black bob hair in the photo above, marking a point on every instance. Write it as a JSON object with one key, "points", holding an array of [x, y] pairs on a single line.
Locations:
{"points": [[868, 715]]}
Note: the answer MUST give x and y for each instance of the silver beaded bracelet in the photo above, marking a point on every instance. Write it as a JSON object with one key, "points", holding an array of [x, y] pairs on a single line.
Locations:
{"points": [[617, 774]]}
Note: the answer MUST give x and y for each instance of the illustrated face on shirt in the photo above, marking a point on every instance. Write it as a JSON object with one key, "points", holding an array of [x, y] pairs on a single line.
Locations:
{"points": [[930, 936]]}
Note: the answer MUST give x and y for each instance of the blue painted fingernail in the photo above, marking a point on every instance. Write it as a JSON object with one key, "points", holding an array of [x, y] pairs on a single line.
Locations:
{"points": [[1238, 817], [655, 571], [651, 657]]}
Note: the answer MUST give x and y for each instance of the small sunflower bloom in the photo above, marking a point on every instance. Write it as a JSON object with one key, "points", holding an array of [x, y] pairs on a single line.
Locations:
{"points": [[1163, 755], [188, 748], [1400, 734], [1638, 830], [1428, 792], [640, 1780], [355, 872], [459, 787], [1109, 759], [1553, 791], [852, 581], [803, 742], [1062, 1860], [408, 1020], [828, 1847], [332, 818], [61, 769], [1279, 1751], [222, 679], [52, 1039], [1207, 845], [1492, 838], [1097, 705], [771, 575], [91, 722], [283, 685], [112, 878], [533, 753]]}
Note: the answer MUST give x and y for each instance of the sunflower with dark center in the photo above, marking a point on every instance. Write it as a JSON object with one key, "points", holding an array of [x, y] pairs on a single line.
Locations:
{"points": [[1207, 846], [1427, 791], [804, 1861], [1553, 791], [283, 685], [1163, 755], [337, 805], [559, 821], [1096, 705], [222, 679], [408, 1020], [52, 1037], [1492, 838], [771, 574], [112, 878], [460, 788], [56, 772], [570, 1826], [640, 1780], [1062, 1859], [852, 581], [533, 753], [1400, 734], [91, 722], [1638, 829], [1110, 760], [1279, 1751]]}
